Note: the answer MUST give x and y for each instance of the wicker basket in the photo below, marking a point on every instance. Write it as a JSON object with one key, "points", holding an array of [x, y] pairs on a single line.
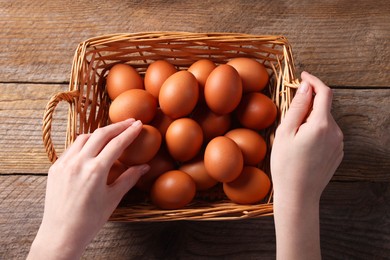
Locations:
{"points": [[89, 101]]}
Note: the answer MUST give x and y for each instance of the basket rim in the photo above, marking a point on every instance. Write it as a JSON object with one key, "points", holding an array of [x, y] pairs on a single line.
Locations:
{"points": [[184, 35]]}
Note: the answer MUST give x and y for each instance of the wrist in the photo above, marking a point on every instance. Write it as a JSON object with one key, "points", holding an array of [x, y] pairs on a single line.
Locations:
{"points": [[291, 200], [297, 227], [52, 245], [296, 210]]}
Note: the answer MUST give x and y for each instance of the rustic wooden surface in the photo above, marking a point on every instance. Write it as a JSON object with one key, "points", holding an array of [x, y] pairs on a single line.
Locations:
{"points": [[346, 43]]}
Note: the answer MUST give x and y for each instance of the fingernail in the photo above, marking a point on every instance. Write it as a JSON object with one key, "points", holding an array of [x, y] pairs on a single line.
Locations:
{"points": [[144, 168], [137, 123], [130, 120], [303, 88]]}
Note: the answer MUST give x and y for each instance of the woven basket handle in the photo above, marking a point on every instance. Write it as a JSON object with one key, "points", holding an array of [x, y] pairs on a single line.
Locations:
{"points": [[68, 96]]}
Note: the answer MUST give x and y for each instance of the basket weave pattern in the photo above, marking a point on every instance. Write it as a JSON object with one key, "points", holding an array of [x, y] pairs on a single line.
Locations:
{"points": [[89, 102]]}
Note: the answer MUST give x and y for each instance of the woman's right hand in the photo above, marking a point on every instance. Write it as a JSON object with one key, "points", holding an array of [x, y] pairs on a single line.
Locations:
{"points": [[308, 145]]}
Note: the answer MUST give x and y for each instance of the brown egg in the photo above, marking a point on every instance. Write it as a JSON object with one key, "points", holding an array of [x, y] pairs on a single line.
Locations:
{"points": [[212, 124], [201, 69], [161, 122], [196, 169], [160, 163], [156, 74], [134, 103], [251, 143], [184, 139], [179, 94], [223, 89], [256, 111], [173, 190], [253, 74], [250, 187], [223, 159], [116, 170], [143, 148], [122, 77]]}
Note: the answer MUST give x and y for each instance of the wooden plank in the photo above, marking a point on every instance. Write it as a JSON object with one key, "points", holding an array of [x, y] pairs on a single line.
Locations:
{"points": [[354, 217], [21, 112], [353, 226], [362, 114], [343, 42], [364, 118]]}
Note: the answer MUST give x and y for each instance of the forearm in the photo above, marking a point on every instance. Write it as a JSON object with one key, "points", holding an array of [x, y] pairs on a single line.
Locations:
{"points": [[297, 230]]}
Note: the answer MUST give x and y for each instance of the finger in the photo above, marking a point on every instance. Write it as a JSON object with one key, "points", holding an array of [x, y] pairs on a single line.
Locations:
{"points": [[102, 136], [75, 147], [299, 108], [115, 147], [323, 98], [128, 179]]}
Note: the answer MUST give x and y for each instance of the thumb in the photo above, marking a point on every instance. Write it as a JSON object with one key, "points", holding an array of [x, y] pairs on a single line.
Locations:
{"points": [[299, 107], [128, 179]]}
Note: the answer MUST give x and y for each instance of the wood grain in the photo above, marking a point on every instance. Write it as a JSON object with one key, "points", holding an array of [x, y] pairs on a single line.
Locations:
{"points": [[362, 115], [21, 112], [355, 221], [364, 118], [343, 42]]}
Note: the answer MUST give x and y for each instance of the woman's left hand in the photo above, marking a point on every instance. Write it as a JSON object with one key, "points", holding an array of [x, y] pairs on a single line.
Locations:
{"points": [[78, 200]]}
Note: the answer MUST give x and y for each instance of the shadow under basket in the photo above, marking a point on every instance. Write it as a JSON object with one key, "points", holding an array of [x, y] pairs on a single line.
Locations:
{"points": [[89, 102]]}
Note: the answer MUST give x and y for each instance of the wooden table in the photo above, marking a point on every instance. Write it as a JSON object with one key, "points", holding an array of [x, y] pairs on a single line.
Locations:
{"points": [[345, 43]]}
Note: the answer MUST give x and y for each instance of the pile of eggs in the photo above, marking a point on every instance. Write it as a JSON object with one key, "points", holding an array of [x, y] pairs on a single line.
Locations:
{"points": [[200, 127]]}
